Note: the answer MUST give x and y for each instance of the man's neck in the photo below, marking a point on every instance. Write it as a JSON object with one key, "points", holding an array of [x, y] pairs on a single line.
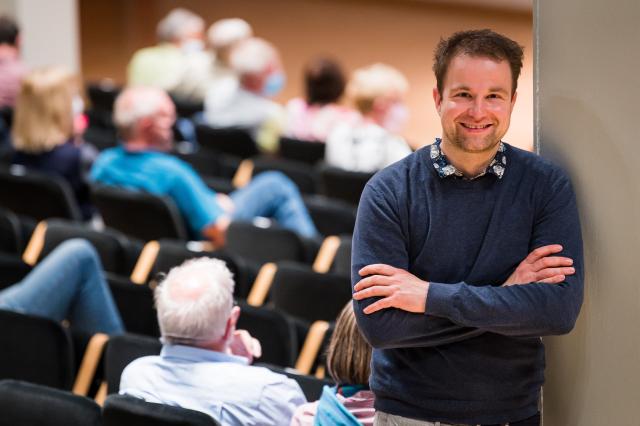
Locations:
{"points": [[470, 164], [137, 145]]}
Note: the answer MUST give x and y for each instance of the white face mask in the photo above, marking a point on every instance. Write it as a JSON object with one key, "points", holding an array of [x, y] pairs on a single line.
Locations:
{"points": [[396, 118], [192, 46], [77, 105]]}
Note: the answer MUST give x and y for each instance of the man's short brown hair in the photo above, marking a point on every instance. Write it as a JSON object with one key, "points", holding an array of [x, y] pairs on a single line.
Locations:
{"points": [[477, 43]]}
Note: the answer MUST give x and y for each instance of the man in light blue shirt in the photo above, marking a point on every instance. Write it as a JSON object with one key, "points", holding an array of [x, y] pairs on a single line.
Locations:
{"points": [[204, 363]]}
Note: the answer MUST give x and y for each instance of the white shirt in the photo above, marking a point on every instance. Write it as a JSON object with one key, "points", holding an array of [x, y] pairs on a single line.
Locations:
{"points": [[364, 147], [220, 385]]}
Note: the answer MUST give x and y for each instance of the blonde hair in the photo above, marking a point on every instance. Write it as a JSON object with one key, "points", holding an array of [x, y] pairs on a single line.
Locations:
{"points": [[373, 82], [43, 113], [252, 56], [349, 355]]}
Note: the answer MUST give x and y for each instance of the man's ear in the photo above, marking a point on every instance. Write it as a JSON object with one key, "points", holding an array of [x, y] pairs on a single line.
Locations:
{"points": [[231, 322], [437, 99], [513, 99]]}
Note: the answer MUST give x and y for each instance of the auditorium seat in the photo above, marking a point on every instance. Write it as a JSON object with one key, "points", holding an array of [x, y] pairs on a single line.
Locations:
{"points": [[304, 151], [231, 140], [343, 184], [122, 410], [331, 216], [114, 249], [135, 304], [305, 177], [139, 214], [28, 404], [37, 195]]}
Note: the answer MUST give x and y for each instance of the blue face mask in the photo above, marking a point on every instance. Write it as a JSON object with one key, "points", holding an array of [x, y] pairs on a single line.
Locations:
{"points": [[273, 84]]}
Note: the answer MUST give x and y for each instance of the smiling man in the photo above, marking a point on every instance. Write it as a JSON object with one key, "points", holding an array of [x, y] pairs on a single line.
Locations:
{"points": [[464, 254]]}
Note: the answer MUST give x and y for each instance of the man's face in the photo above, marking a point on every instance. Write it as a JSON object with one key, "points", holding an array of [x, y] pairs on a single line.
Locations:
{"points": [[161, 125], [476, 103]]}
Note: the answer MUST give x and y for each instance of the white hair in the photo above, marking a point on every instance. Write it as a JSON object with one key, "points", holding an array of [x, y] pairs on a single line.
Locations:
{"points": [[178, 23], [376, 81], [252, 56], [194, 301], [226, 32], [135, 103]]}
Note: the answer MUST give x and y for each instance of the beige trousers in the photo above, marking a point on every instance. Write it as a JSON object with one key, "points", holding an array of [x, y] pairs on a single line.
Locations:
{"points": [[385, 419]]}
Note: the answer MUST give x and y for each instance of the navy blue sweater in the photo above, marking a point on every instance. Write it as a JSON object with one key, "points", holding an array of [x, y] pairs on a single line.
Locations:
{"points": [[475, 356]]}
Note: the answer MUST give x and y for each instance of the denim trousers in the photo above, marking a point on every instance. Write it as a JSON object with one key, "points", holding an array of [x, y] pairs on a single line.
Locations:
{"points": [[67, 284], [273, 195]]}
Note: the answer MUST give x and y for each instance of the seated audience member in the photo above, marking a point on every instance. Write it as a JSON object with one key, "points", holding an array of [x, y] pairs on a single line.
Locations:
{"points": [[313, 118], [377, 92], [144, 117], [47, 125], [348, 359], [246, 102], [178, 63], [222, 36], [204, 360], [67, 284], [209, 69], [11, 67]]}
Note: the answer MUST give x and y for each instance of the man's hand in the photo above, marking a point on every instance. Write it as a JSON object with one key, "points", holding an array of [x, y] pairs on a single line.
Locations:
{"points": [[540, 266], [399, 289], [242, 344]]}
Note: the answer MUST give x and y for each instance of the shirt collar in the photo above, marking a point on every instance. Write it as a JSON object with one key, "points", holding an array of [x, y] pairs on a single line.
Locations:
{"points": [[191, 353], [445, 169]]}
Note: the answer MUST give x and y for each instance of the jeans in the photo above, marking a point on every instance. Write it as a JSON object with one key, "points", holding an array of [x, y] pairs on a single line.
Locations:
{"points": [[273, 195], [67, 284]]}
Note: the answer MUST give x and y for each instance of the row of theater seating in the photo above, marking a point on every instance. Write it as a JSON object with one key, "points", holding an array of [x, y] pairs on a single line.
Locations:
{"points": [[23, 403], [40, 196]]}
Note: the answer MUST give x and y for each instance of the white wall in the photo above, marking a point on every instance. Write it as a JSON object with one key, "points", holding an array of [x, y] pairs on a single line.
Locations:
{"points": [[49, 31], [588, 113]]}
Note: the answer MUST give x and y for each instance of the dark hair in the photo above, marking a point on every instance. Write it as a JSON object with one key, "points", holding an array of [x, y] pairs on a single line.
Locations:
{"points": [[477, 43], [8, 30], [324, 81]]}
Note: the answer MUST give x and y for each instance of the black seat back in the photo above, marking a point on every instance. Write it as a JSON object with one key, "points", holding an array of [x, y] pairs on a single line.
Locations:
{"points": [[308, 295], [231, 140], [174, 253], [122, 410], [10, 233], [342, 262], [29, 404], [135, 304], [37, 195], [110, 245], [305, 177], [262, 245], [186, 108], [121, 351], [139, 214], [343, 184], [331, 216], [308, 152], [102, 95], [275, 332], [36, 350]]}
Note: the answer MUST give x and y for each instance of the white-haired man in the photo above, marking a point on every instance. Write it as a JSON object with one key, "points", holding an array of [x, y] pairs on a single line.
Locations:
{"points": [[204, 360], [180, 49], [246, 103], [144, 117]]}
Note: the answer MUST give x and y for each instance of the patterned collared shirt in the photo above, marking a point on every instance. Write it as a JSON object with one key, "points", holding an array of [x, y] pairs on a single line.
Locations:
{"points": [[446, 169]]}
